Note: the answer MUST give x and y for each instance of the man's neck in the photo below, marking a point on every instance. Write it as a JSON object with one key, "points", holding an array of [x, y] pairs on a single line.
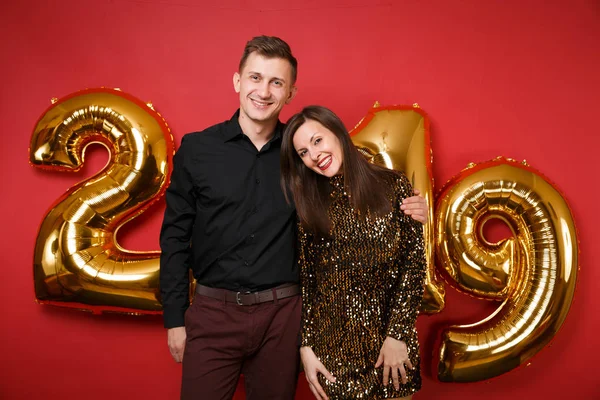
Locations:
{"points": [[259, 133]]}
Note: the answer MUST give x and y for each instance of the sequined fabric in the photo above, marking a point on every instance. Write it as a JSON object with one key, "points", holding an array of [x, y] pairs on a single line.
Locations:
{"points": [[363, 284]]}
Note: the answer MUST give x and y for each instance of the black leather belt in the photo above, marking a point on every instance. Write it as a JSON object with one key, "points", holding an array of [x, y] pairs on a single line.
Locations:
{"points": [[249, 298]]}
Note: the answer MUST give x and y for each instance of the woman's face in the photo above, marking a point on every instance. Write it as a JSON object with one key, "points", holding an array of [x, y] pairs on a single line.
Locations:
{"points": [[319, 148]]}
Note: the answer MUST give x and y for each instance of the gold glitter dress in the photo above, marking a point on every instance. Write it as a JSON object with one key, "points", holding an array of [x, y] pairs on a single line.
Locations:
{"points": [[359, 286]]}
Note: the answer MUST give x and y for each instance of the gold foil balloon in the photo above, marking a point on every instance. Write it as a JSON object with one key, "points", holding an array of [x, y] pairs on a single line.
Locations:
{"points": [[77, 259], [532, 274], [398, 138]]}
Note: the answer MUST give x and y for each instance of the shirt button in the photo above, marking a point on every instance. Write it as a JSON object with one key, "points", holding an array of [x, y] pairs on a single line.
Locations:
{"points": [[258, 181], [246, 263], [252, 236]]}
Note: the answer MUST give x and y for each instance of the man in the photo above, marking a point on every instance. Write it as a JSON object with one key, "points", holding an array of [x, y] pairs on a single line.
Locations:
{"points": [[228, 221]]}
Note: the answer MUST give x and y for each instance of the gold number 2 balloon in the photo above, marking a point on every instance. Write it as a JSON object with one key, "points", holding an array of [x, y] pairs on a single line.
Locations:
{"points": [[398, 138], [77, 259], [532, 274]]}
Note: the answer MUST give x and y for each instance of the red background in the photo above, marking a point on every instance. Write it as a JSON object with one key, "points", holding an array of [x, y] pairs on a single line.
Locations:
{"points": [[513, 78]]}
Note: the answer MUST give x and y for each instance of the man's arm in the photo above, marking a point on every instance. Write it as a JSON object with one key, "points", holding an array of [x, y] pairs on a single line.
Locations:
{"points": [[175, 238]]}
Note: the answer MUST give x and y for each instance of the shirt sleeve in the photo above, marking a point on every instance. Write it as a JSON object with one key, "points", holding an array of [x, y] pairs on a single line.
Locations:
{"points": [[175, 240], [308, 282], [408, 292]]}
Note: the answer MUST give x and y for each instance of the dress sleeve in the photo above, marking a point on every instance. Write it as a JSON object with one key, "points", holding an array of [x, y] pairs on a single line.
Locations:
{"points": [[308, 282], [408, 291]]}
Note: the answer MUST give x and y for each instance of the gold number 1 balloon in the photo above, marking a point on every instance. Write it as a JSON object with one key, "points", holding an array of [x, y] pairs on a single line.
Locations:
{"points": [[397, 137], [77, 259], [532, 274]]}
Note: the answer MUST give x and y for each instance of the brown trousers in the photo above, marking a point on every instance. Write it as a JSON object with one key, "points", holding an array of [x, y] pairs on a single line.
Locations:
{"points": [[225, 340]]}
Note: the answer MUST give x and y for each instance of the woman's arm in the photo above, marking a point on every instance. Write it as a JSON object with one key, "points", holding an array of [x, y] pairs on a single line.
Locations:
{"points": [[406, 295], [308, 283], [312, 365]]}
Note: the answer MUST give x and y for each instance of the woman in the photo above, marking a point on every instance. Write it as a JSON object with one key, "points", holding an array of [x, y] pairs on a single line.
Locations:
{"points": [[362, 264]]}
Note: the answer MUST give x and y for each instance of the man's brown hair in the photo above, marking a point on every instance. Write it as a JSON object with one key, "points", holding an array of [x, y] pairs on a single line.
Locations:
{"points": [[270, 47]]}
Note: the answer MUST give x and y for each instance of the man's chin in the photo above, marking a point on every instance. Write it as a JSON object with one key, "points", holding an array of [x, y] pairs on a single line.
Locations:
{"points": [[262, 116]]}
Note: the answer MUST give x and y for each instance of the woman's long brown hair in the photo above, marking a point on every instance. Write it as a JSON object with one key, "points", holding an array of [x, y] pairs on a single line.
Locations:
{"points": [[364, 182]]}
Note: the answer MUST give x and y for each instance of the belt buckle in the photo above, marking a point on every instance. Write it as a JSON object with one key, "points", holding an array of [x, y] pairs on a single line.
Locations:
{"points": [[238, 299]]}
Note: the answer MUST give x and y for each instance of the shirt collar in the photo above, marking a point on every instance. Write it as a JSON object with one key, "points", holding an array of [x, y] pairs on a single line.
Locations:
{"points": [[234, 130]]}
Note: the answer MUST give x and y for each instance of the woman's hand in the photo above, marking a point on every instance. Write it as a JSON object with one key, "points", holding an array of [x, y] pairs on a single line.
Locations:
{"points": [[312, 366], [393, 356]]}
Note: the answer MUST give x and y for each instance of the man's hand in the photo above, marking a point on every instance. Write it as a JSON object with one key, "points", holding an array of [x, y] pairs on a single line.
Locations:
{"points": [[416, 207], [176, 341]]}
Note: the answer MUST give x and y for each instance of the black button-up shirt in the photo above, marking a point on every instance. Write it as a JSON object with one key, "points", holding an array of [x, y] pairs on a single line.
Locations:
{"points": [[226, 218]]}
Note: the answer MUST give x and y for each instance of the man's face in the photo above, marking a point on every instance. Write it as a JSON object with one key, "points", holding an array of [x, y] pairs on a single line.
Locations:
{"points": [[265, 86]]}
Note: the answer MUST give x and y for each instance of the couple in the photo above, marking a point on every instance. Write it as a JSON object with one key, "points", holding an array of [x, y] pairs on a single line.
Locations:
{"points": [[255, 208]]}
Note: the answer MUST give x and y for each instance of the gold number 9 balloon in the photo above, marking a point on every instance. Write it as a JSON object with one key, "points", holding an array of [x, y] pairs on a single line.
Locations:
{"points": [[533, 274], [77, 259], [397, 137]]}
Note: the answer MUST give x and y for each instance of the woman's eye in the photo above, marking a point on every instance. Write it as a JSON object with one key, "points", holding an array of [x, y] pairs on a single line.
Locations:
{"points": [[317, 140]]}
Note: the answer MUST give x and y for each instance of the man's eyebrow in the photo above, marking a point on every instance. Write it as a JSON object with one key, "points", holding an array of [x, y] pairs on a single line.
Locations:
{"points": [[273, 78]]}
